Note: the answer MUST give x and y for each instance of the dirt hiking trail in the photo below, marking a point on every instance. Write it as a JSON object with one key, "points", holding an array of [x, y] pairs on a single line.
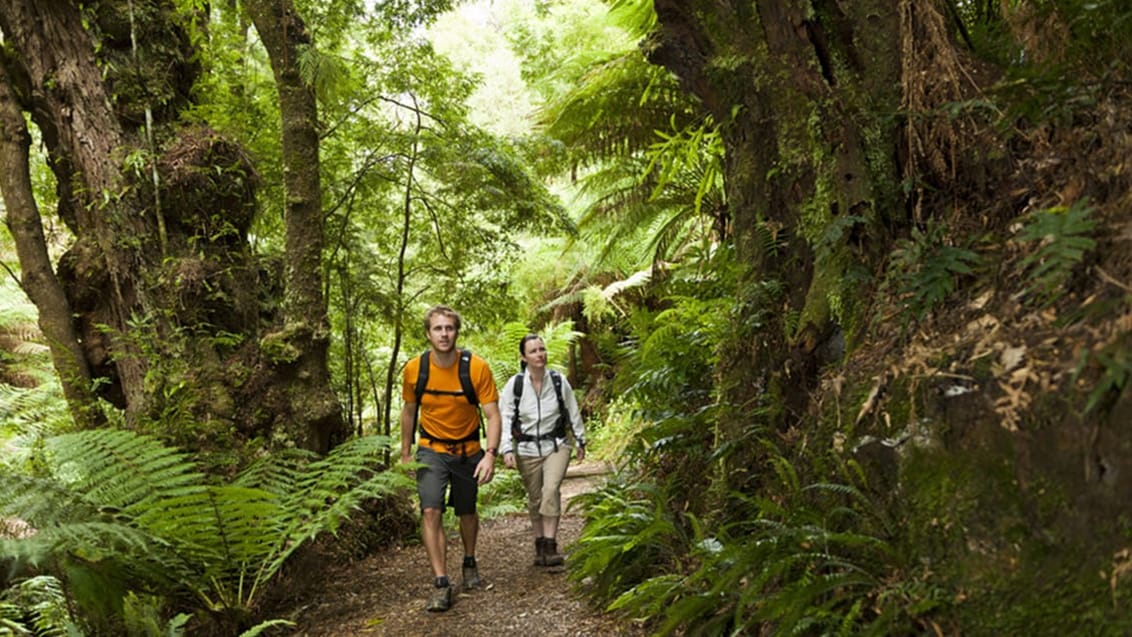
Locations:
{"points": [[385, 593]]}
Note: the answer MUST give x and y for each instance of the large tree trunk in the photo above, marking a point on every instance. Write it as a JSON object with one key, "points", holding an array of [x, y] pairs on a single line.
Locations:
{"points": [[284, 35], [172, 309], [805, 92]]}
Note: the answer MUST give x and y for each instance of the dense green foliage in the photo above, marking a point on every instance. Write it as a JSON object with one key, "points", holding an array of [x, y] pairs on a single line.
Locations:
{"points": [[560, 182], [114, 515]]}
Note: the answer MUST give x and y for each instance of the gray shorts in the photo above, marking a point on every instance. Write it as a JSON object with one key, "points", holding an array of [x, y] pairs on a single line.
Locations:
{"points": [[442, 470]]}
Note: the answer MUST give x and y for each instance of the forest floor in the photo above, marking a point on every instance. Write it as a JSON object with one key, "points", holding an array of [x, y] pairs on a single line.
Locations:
{"points": [[385, 593]]}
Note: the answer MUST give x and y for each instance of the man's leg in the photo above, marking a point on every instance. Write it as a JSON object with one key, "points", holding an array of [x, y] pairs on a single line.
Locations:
{"points": [[469, 532], [432, 534], [465, 489], [432, 483]]}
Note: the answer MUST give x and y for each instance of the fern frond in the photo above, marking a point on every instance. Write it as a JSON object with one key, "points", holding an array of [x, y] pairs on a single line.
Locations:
{"points": [[278, 472], [41, 502], [120, 469], [1062, 237], [121, 499], [35, 606]]}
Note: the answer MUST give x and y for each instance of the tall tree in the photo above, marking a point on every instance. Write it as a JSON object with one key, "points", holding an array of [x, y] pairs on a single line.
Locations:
{"points": [[285, 37], [178, 320]]}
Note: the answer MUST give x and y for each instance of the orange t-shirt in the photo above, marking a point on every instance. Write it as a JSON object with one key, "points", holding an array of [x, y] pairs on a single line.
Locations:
{"points": [[445, 415]]}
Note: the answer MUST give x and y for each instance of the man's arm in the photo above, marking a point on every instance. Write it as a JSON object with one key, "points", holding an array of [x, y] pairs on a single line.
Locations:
{"points": [[407, 414], [485, 470]]}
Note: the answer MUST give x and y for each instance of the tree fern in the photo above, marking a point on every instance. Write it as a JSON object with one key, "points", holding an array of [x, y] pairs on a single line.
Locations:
{"points": [[650, 159], [35, 606]]}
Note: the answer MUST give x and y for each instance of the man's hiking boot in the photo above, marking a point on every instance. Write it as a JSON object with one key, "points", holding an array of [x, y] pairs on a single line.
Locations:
{"points": [[551, 556], [441, 599], [471, 579]]}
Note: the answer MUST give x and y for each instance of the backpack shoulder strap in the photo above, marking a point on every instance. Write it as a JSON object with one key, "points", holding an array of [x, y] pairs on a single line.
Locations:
{"points": [[563, 414], [465, 372], [517, 389], [422, 377], [556, 378], [419, 389]]}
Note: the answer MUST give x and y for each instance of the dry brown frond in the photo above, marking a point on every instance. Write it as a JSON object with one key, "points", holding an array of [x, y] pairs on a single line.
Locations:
{"points": [[936, 79]]}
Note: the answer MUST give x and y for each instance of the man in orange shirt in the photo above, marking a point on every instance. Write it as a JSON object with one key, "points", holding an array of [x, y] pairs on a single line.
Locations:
{"points": [[449, 423]]}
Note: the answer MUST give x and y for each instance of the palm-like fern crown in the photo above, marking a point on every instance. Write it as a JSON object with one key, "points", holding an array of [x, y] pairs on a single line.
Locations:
{"points": [[650, 157]]}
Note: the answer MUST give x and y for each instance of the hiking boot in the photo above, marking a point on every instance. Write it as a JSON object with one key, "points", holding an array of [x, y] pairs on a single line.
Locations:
{"points": [[472, 579], [540, 551], [441, 599], [550, 555]]}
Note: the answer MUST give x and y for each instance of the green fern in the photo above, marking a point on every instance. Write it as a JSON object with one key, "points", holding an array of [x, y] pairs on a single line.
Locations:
{"points": [[806, 562], [120, 508], [1115, 371], [629, 536], [35, 606], [1061, 235], [926, 270]]}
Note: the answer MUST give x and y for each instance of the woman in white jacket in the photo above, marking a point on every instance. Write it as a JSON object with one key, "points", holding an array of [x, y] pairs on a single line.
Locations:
{"points": [[538, 405]]}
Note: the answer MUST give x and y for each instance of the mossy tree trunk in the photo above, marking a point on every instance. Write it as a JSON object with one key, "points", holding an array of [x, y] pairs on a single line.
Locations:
{"points": [[37, 276], [285, 36], [806, 93], [176, 317]]}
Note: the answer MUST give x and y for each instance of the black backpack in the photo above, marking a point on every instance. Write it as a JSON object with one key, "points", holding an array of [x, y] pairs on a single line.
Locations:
{"points": [[467, 390], [559, 430]]}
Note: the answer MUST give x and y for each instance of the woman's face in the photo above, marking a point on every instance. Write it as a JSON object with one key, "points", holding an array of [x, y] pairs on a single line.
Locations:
{"points": [[534, 353]]}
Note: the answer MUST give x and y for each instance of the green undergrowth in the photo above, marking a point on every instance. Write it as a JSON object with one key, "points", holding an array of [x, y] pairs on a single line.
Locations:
{"points": [[131, 529]]}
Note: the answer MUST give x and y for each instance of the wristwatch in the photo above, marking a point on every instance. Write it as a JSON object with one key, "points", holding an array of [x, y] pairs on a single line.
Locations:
{"points": [[492, 451]]}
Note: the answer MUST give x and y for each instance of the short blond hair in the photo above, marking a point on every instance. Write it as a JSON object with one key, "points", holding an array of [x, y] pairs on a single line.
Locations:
{"points": [[441, 309]]}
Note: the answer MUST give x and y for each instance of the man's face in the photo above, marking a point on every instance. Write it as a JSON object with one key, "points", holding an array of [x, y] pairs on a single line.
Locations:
{"points": [[442, 333]]}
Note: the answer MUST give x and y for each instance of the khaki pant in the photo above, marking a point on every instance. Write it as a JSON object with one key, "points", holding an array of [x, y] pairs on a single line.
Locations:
{"points": [[542, 476]]}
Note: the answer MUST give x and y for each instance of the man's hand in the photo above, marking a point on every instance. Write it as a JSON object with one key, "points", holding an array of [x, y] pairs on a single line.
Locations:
{"points": [[408, 459], [485, 470], [509, 460]]}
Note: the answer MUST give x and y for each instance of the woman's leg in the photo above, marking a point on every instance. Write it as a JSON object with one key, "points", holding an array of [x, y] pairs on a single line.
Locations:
{"points": [[550, 508], [530, 468]]}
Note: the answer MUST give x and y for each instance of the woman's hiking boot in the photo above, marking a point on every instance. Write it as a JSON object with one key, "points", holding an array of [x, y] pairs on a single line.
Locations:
{"points": [[540, 551], [550, 554], [441, 599]]}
